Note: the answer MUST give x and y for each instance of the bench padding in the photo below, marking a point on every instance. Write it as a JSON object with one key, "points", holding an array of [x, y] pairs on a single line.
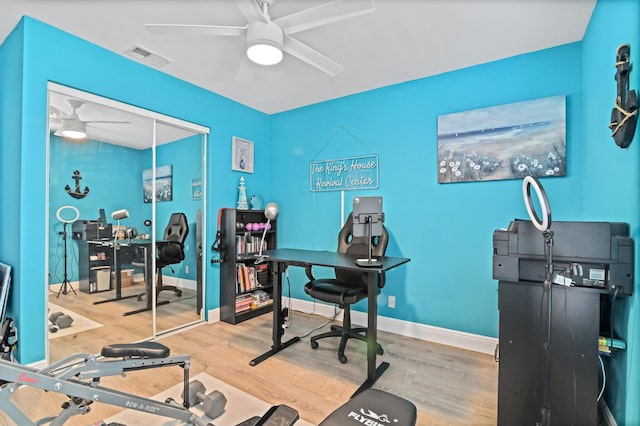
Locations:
{"points": [[135, 350], [373, 407]]}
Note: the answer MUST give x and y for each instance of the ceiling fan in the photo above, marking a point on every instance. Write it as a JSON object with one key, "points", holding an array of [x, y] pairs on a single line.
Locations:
{"points": [[268, 39], [70, 125]]}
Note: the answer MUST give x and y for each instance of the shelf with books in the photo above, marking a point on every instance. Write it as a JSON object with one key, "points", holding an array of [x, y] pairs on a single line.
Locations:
{"points": [[245, 287]]}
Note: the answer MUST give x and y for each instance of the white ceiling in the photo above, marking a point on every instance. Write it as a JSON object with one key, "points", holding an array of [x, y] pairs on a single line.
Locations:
{"points": [[401, 40]]}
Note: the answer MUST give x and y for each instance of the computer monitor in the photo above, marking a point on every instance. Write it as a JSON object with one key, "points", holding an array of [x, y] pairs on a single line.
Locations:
{"points": [[5, 282], [367, 209]]}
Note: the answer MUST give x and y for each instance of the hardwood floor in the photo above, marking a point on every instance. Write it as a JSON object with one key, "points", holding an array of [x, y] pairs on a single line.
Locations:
{"points": [[449, 386]]}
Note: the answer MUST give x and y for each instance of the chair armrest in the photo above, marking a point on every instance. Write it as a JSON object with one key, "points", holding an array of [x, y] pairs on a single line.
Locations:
{"points": [[309, 272]]}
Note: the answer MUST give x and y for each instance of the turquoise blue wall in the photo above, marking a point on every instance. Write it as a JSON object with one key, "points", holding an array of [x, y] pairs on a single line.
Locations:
{"points": [[11, 69], [35, 53], [610, 179], [446, 229]]}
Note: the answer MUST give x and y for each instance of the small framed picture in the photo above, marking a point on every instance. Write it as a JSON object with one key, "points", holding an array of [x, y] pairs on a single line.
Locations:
{"points": [[242, 155]]}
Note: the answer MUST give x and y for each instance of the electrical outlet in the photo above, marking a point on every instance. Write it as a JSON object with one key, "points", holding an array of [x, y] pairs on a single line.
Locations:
{"points": [[391, 302]]}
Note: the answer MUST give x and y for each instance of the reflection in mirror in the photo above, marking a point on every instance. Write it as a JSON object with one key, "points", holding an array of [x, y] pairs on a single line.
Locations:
{"points": [[104, 264], [179, 204]]}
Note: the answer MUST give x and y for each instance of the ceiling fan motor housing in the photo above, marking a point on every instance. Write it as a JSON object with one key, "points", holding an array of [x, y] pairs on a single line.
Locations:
{"points": [[264, 43]]}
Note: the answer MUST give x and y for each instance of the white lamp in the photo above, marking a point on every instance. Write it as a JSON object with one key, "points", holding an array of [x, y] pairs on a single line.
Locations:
{"points": [[271, 213], [73, 128], [117, 215], [264, 43]]}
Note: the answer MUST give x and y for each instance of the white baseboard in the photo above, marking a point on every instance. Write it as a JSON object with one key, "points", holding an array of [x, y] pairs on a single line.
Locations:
{"points": [[213, 315], [54, 288], [458, 339], [179, 282]]}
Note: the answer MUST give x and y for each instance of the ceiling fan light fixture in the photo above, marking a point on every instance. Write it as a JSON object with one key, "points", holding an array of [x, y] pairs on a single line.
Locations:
{"points": [[73, 129], [264, 43]]}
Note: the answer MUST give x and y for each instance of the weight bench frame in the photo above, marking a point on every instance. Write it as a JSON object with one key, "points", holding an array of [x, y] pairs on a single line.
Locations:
{"points": [[78, 376]]}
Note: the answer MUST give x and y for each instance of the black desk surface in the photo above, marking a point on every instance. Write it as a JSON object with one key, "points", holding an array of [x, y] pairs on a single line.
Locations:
{"points": [[300, 257]]}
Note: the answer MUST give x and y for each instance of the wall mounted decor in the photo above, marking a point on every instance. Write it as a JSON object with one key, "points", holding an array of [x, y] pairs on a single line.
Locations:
{"points": [[242, 155], [342, 174], [196, 189], [508, 141], [242, 196], [624, 115], [164, 184], [77, 194]]}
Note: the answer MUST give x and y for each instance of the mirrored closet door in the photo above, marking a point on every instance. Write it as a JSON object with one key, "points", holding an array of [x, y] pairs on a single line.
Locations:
{"points": [[126, 222]]}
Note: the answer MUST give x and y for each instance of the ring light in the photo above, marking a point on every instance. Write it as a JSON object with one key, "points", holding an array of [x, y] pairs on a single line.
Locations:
{"points": [[545, 224], [63, 208]]}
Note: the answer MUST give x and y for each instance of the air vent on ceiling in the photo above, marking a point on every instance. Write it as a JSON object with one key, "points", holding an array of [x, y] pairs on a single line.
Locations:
{"points": [[147, 56]]}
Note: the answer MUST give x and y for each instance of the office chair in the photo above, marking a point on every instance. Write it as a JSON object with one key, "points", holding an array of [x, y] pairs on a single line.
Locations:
{"points": [[348, 287], [171, 249]]}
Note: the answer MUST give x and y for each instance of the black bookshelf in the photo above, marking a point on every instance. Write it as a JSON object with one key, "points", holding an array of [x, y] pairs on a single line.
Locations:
{"points": [[245, 287]]}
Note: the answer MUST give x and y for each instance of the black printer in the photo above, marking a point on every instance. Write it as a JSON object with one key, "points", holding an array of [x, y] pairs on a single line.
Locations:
{"points": [[91, 230], [585, 254]]}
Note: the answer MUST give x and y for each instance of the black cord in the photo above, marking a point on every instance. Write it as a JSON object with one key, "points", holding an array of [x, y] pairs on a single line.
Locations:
{"points": [[289, 319]]}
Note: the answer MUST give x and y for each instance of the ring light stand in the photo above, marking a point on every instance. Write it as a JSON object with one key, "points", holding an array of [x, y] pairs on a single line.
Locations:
{"points": [[543, 226], [66, 285]]}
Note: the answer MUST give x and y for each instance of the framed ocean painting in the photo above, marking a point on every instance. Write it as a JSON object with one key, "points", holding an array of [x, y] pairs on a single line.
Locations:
{"points": [[508, 141]]}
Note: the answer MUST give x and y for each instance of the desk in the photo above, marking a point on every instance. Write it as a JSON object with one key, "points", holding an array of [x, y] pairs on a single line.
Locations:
{"points": [[283, 258], [127, 252]]}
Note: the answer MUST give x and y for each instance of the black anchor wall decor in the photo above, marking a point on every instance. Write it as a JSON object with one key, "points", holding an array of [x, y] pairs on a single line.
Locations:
{"points": [[77, 194], [625, 114]]}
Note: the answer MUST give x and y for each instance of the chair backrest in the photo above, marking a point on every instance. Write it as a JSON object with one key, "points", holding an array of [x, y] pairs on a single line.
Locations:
{"points": [[177, 228], [348, 243], [175, 234]]}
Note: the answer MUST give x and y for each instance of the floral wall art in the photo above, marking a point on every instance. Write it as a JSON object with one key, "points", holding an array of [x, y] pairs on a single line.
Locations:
{"points": [[508, 141]]}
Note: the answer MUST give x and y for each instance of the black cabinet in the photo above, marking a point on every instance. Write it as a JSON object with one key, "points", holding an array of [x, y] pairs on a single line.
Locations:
{"points": [[575, 367], [94, 263], [246, 286]]}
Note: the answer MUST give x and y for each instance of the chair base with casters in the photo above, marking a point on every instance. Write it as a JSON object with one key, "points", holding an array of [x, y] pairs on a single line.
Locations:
{"points": [[160, 285], [334, 291]]}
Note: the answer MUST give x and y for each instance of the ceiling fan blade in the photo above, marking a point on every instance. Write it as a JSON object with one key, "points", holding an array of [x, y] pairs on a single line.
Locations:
{"points": [[311, 56], [57, 114], [106, 122], [246, 70], [327, 13], [195, 30], [250, 10]]}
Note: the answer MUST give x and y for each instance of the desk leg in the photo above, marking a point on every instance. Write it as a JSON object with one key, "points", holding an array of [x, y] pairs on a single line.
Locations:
{"points": [[149, 288], [117, 265], [278, 317], [373, 373]]}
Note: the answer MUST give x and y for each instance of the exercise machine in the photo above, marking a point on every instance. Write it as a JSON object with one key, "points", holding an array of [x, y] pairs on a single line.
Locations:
{"points": [[78, 376]]}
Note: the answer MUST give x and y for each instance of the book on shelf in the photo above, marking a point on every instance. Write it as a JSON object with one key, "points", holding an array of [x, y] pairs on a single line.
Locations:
{"points": [[248, 277], [248, 244], [243, 302], [260, 298]]}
